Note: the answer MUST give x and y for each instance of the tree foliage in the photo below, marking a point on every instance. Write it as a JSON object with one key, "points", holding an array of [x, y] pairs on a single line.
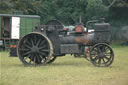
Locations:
{"points": [[26, 6], [96, 9], [69, 11]]}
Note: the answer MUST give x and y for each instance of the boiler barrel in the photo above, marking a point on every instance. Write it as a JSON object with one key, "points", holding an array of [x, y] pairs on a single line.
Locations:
{"points": [[77, 39]]}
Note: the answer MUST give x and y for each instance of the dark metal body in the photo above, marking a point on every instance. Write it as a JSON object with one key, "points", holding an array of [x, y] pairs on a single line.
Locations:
{"points": [[52, 39], [74, 42]]}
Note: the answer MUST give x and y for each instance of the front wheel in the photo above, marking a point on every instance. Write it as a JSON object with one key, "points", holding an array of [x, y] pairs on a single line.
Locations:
{"points": [[101, 55]]}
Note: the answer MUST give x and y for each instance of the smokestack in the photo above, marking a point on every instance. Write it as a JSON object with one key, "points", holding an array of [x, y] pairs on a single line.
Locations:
{"points": [[80, 20]]}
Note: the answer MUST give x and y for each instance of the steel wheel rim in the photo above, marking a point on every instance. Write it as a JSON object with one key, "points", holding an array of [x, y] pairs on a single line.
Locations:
{"points": [[52, 59]]}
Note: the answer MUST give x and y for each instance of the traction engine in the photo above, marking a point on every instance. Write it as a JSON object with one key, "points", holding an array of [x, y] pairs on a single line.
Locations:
{"points": [[53, 40]]}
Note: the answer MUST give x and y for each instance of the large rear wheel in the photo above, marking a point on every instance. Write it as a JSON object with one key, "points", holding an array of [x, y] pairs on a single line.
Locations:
{"points": [[35, 49]]}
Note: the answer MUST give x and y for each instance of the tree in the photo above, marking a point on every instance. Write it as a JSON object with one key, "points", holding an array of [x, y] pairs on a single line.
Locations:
{"points": [[95, 9], [26, 6], [6, 6]]}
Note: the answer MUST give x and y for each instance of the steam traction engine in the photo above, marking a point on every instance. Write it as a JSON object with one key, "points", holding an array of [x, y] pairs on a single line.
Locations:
{"points": [[52, 40]]}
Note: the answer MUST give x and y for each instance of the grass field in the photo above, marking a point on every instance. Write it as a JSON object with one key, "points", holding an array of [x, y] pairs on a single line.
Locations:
{"points": [[65, 71]]}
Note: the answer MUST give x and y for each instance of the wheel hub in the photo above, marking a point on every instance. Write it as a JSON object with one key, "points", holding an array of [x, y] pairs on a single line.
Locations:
{"points": [[35, 49], [101, 55]]}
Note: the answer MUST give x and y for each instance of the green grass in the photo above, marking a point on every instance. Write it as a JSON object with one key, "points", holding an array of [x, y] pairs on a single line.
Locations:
{"points": [[65, 71]]}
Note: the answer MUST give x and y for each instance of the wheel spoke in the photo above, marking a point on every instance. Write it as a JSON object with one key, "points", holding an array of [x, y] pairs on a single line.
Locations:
{"points": [[37, 44], [94, 54], [32, 42], [107, 48], [43, 47], [29, 52], [104, 48], [35, 39], [99, 50], [45, 50], [34, 60], [42, 58], [43, 54], [108, 54], [104, 61], [42, 43], [28, 43], [30, 59], [38, 58], [106, 58], [23, 49], [27, 46], [27, 57], [99, 62]]}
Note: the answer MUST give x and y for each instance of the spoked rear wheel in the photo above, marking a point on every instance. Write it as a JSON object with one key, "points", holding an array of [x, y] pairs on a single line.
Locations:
{"points": [[34, 48], [101, 55]]}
